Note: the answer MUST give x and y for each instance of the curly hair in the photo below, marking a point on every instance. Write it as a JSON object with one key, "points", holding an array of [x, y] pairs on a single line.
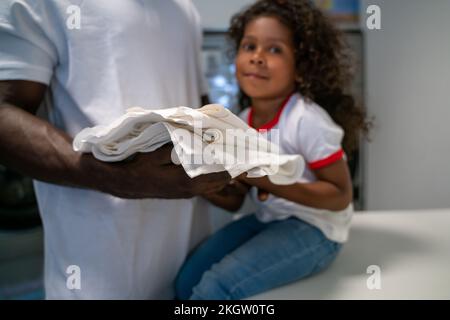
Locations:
{"points": [[323, 61]]}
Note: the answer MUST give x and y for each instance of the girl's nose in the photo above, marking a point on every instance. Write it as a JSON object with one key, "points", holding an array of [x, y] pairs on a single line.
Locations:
{"points": [[257, 59]]}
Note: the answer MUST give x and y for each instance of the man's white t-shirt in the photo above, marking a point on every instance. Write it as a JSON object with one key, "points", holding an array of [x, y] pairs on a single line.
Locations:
{"points": [[124, 53], [304, 128]]}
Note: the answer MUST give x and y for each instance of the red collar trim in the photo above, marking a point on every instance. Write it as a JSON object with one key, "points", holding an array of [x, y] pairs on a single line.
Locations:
{"points": [[272, 123]]}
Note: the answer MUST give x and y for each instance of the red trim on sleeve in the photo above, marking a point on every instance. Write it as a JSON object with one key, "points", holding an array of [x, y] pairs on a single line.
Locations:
{"points": [[272, 123], [327, 161]]}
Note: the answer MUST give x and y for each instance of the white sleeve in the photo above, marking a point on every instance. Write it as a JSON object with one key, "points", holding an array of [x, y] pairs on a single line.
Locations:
{"points": [[26, 53], [319, 139]]}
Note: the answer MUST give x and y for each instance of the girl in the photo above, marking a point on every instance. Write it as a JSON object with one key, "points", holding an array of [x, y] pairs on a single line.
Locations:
{"points": [[293, 72]]}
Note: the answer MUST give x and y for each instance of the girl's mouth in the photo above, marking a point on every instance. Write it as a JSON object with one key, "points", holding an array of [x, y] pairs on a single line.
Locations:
{"points": [[253, 75]]}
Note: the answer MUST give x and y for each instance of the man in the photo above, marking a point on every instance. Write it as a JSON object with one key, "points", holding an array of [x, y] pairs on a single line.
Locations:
{"points": [[110, 230]]}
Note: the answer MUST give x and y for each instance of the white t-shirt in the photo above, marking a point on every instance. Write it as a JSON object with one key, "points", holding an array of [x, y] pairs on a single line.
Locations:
{"points": [[125, 53], [306, 129]]}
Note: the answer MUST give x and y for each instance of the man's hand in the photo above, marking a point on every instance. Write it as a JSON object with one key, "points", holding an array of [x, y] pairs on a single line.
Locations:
{"points": [[231, 197], [153, 175]]}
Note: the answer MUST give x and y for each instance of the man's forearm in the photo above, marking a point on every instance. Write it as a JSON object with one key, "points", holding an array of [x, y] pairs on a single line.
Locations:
{"points": [[38, 149]]}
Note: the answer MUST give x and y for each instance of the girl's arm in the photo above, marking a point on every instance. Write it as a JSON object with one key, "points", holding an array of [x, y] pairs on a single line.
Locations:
{"points": [[332, 190], [229, 198]]}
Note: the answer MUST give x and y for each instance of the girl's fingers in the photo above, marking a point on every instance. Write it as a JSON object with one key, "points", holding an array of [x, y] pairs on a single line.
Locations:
{"points": [[263, 195]]}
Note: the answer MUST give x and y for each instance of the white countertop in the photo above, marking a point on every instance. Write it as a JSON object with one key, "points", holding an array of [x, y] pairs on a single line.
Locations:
{"points": [[411, 248]]}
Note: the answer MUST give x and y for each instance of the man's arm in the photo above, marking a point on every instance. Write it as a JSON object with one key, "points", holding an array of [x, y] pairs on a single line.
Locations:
{"points": [[34, 147], [29, 144]]}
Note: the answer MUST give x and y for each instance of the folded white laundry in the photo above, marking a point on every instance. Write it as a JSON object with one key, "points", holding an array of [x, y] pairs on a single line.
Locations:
{"points": [[206, 140], [213, 135]]}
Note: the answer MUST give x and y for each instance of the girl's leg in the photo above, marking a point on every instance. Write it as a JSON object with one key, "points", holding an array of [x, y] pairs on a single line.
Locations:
{"points": [[283, 252], [212, 250]]}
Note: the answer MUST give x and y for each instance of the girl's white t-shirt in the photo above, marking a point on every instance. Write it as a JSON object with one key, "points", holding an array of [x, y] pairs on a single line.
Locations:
{"points": [[304, 128]]}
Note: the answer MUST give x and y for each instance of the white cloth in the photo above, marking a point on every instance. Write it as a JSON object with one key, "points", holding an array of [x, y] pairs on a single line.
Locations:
{"points": [[306, 129], [126, 52], [202, 134]]}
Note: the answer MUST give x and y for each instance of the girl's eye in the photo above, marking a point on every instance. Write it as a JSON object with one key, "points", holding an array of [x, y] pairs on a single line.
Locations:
{"points": [[248, 46], [275, 50]]}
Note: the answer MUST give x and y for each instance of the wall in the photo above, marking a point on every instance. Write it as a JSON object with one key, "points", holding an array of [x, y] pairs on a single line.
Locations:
{"points": [[407, 90], [216, 14]]}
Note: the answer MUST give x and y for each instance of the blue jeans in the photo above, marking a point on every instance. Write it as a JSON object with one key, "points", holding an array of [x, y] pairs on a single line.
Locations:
{"points": [[248, 257]]}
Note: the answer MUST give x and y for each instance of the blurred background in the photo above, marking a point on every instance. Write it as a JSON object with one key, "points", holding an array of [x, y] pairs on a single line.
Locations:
{"points": [[403, 79], [403, 76], [21, 239]]}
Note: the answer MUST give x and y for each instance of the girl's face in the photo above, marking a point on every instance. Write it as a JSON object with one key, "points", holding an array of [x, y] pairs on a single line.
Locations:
{"points": [[265, 62]]}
